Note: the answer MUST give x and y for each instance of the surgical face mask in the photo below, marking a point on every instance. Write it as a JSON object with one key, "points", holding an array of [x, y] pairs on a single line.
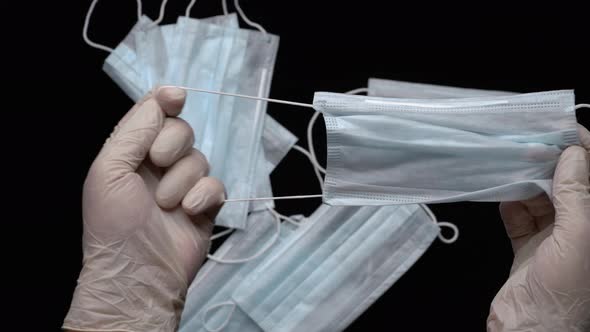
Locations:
{"points": [[124, 67], [246, 126], [215, 282], [399, 151], [397, 89], [334, 267]]}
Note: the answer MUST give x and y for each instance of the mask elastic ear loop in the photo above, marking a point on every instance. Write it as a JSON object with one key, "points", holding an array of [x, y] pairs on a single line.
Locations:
{"points": [[222, 233], [269, 245], [87, 23], [247, 20], [285, 218], [187, 12], [160, 16], [310, 147], [313, 162], [215, 306], [224, 7], [452, 226]]}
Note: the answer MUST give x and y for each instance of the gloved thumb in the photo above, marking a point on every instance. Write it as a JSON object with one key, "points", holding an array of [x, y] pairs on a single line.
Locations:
{"points": [[131, 141], [571, 197]]}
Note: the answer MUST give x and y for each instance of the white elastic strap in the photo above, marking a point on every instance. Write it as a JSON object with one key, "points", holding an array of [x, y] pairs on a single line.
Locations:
{"points": [[187, 12], [246, 19], [314, 163], [160, 16], [277, 220], [215, 306], [287, 219], [272, 198], [87, 23], [310, 147], [357, 91], [452, 226], [270, 100], [582, 106], [224, 7], [222, 233]]}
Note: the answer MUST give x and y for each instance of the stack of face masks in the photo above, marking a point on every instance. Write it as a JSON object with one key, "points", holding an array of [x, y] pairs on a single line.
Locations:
{"points": [[405, 143], [212, 54]]}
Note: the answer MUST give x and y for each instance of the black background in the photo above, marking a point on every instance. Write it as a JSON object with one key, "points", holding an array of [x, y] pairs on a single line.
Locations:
{"points": [[325, 46]]}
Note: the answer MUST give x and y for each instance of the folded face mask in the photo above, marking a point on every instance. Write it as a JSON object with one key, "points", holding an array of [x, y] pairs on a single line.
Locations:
{"points": [[188, 54], [398, 151], [127, 69], [215, 282], [334, 267], [246, 126], [124, 67]]}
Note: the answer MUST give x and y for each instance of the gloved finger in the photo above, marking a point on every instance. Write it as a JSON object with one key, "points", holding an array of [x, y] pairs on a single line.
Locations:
{"points": [[132, 141], [180, 178], [541, 209], [584, 136], [128, 115], [174, 141], [571, 197], [206, 197], [128, 147], [519, 223], [171, 99]]}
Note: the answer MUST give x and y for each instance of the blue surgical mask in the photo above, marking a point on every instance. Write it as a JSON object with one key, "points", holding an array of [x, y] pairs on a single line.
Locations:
{"points": [[245, 130], [124, 67], [215, 282], [334, 267], [400, 151]]}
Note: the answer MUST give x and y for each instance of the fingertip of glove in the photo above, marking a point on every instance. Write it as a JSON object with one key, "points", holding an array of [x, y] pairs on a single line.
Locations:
{"points": [[171, 99]]}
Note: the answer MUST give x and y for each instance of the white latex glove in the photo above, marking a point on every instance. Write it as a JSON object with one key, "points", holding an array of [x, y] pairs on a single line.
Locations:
{"points": [[147, 223], [549, 284]]}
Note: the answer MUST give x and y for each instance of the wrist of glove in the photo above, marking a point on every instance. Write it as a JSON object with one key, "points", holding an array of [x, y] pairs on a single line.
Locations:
{"points": [[148, 207], [121, 288]]}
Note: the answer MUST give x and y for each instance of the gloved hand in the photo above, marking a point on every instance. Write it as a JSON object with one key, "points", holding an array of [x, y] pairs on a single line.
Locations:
{"points": [[147, 223], [549, 284]]}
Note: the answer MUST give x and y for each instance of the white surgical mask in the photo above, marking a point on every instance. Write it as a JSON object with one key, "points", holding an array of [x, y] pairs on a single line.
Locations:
{"points": [[215, 282], [399, 151], [245, 130], [334, 267]]}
